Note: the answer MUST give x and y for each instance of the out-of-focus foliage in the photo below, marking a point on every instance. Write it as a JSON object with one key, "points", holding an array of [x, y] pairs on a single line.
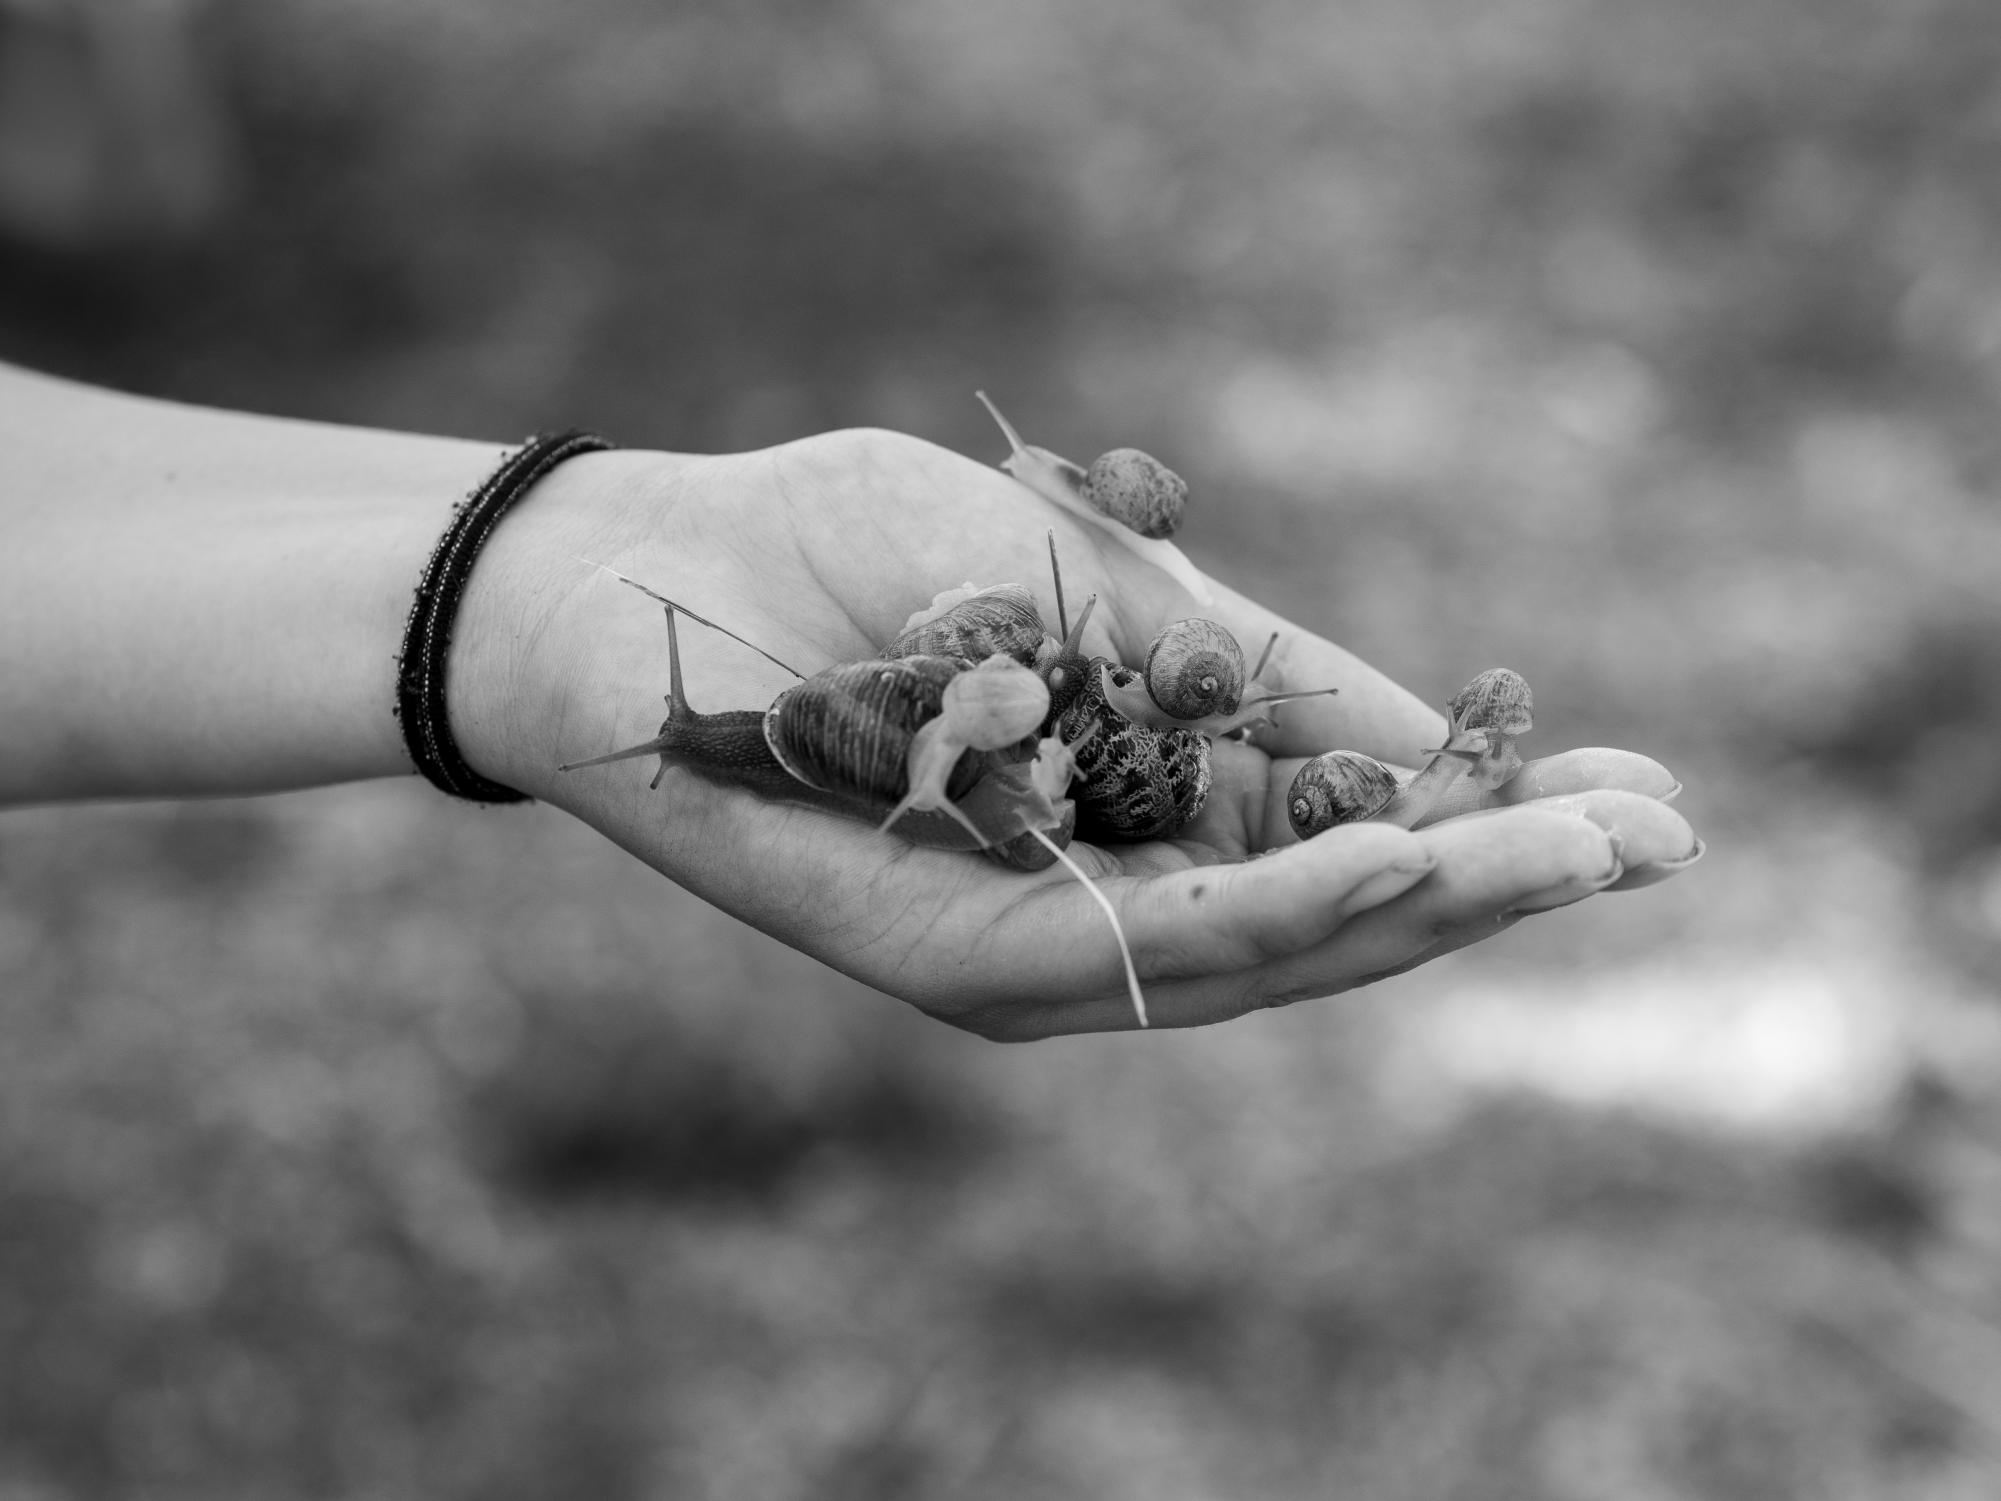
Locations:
{"points": [[355, 1144]]}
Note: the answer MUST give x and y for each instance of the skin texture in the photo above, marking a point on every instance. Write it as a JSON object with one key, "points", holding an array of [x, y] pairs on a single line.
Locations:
{"points": [[198, 677]]}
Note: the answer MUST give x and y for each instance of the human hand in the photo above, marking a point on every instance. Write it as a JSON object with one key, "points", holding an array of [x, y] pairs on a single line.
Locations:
{"points": [[817, 552]]}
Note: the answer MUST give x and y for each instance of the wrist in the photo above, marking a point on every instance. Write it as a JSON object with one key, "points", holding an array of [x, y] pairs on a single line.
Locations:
{"points": [[519, 654]]}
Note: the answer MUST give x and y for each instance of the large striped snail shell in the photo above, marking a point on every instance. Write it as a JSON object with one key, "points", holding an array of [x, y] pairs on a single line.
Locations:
{"points": [[847, 730], [1194, 668], [1133, 782], [1136, 490], [1000, 619]]}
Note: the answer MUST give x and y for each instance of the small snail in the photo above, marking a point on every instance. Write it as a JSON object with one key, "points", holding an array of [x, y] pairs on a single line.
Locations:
{"points": [[1128, 494], [1497, 701], [1194, 680], [1338, 787], [996, 705], [972, 627]]}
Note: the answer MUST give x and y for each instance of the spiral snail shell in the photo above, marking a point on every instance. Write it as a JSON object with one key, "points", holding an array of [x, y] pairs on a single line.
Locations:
{"points": [[1136, 490], [1000, 619], [847, 730], [1341, 786], [1194, 668]]}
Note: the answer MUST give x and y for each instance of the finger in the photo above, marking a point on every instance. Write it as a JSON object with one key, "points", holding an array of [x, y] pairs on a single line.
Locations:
{"points": [[1053, 944], [1487, 872], [1658, 841], [1585, 769]]}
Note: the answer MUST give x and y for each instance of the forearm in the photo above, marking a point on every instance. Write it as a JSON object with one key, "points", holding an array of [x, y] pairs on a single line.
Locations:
{"points": [[195, 601]]}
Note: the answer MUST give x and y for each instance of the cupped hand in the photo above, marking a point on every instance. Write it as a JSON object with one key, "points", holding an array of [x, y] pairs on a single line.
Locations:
{"points": [[817, 552]]}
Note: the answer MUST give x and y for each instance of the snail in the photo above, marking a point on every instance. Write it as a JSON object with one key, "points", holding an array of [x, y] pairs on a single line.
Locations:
{"points": [[1499, 702], [1134, 782], [996, 705], [1194, 679], [1127, 494], [1345, 786], [841, 741], [972, 626]]}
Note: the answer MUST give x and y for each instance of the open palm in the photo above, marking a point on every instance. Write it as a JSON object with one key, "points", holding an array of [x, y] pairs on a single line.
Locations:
{"points": [[817, 552]]}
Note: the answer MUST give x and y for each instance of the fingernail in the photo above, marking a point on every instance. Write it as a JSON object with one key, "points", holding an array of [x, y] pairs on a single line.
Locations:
{"points": [[1563, 893], [1655, 871], [1390, 881], [1672, 793]]}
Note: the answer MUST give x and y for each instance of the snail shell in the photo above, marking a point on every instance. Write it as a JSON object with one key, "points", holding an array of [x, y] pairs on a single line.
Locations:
{"points": [[1338, 787], [1000, 619], [847, 730], [1499, 700], [1136, 490], [1194, 668], [1133, 782]]}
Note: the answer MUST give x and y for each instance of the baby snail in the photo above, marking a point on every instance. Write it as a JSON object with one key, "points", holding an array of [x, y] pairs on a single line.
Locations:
{"points": [[996, 705], [1128, 494], [1344, 786], [1194, 680], [1499, 702]]}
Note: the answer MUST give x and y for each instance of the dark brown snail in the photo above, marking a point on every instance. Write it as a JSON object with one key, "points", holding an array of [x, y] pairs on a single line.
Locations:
{"points": [[1134, 782], [1000, 619], [1338, 787], [841, 741]]}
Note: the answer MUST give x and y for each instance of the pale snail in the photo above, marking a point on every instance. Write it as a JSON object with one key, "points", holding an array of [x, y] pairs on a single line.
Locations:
{"points": [[1344, 786], [1128, 494]]}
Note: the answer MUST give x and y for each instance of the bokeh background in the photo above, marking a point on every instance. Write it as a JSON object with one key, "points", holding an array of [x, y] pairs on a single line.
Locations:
{"points": [[357, 1145]]}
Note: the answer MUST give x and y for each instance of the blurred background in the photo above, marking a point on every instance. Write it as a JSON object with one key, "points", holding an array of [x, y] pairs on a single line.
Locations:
{"points": [[357, 1144]]}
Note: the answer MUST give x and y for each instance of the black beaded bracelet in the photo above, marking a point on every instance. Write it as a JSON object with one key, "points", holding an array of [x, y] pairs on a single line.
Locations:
{"points": [[427, 637]]}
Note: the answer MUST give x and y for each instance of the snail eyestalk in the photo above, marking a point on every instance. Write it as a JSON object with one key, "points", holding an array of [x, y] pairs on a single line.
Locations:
{"points": [[1112, 916], [698, 619], [1264, 657]]}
